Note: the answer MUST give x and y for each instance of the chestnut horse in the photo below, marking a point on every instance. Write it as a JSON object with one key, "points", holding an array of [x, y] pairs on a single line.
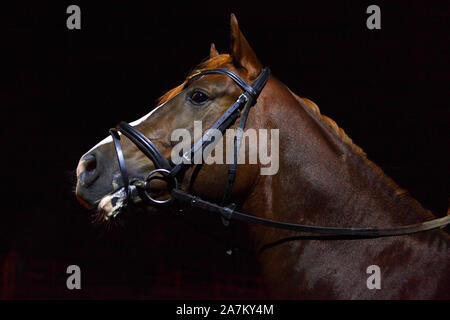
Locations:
{"points": [[323, 179]]}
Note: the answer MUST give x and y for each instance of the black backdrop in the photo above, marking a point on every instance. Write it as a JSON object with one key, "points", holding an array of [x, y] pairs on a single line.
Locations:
{"points": [[387, 88]]}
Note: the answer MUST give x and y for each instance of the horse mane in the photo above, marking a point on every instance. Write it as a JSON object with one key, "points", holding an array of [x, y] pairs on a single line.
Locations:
{"points": [[355, 149], [401, 196], [333, 126]]}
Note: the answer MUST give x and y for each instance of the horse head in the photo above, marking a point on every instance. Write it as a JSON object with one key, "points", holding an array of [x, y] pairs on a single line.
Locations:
{"points": [[198, 99]]}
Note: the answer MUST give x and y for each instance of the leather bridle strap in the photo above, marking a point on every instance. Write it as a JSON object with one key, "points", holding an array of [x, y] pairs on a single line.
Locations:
{"points": [[145, 145], [253, 90], [237, 143], [121, 159], [229, 213], [245, 100]]}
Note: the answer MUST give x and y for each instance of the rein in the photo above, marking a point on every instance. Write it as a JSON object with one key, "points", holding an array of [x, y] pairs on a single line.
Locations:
{"points": [[170, 172]]}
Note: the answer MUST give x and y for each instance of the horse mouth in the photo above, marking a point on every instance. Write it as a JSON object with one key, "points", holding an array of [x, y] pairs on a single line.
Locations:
{"points": [[115, 203], [112, 204]]}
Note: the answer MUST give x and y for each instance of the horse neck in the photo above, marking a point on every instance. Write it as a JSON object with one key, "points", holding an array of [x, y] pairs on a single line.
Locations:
{"points": [[323, 178]]}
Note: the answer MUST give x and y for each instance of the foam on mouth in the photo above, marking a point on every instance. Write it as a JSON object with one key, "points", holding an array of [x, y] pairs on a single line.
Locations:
{"points": [[112, 204]]}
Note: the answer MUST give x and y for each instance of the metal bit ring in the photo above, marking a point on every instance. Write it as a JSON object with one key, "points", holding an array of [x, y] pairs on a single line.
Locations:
{"points": [[164, 175]]}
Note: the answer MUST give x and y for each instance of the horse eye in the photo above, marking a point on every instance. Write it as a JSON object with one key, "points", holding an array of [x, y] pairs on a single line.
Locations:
{"points": [[198, 97]]}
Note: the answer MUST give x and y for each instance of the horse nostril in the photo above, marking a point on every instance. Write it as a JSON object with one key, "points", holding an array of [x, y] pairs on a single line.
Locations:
{"points": [[91, 164], [88, 169]]}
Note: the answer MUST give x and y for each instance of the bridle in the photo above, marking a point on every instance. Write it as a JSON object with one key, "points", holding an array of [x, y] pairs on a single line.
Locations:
{"points": [[170, 172]]}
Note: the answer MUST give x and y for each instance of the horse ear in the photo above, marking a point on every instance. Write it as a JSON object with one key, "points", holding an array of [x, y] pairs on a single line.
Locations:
{"points": [[241, 52], [213, 51]]}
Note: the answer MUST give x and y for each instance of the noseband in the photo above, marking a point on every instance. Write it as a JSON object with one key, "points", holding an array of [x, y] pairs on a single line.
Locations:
{"points": [[170, 173]]}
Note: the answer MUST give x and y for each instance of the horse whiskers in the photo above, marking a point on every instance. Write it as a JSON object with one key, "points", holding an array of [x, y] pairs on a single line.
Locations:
{"points": [[72, 177], [108, 225]]}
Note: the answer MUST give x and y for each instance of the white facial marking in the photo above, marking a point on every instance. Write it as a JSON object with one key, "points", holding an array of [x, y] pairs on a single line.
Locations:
{"points": [[139, 121], [108, 139]]}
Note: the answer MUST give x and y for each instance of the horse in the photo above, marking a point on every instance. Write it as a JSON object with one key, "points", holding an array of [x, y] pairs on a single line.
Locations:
{"points": [[323, 179]]}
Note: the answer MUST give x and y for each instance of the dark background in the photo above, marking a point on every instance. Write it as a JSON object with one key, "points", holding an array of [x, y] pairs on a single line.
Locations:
{"points": [[388, 89]]}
